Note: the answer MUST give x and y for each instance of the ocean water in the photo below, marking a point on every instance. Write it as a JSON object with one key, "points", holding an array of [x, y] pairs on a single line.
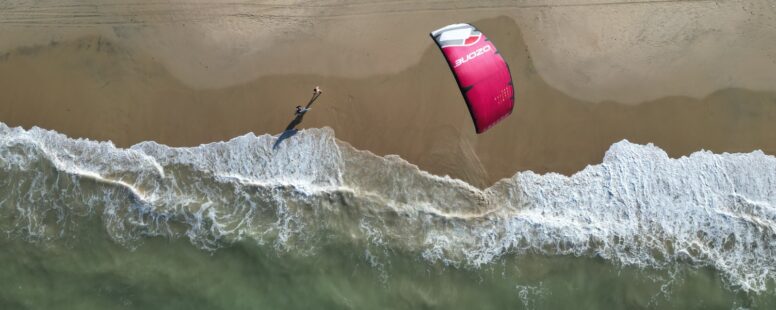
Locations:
{"points": [[311, 222]]}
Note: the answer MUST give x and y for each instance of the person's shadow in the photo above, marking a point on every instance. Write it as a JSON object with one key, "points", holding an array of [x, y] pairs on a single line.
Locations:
{"points": [[291, 130]]}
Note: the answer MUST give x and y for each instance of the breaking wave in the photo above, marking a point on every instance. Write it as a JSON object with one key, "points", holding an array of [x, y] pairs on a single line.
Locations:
{"points": [[638, 208]]}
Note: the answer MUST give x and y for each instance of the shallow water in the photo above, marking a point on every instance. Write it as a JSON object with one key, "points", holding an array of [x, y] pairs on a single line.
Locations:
{"points": [[94, 272], [315, 223]]}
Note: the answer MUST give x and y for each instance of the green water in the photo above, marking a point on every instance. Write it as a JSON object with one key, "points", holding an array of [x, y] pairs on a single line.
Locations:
{"points": [[89, 226], [92, 272]]}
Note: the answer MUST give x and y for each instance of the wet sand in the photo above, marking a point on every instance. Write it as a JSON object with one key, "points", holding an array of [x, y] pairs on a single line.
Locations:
{"points": [[103, 86]]}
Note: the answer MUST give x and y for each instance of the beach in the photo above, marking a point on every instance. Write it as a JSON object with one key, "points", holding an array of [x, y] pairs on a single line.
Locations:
{"points": [[387, 181], [387, 88]]}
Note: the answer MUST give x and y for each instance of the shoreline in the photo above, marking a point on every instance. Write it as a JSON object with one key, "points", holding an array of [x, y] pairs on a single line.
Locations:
{"points": [[98, 88]]}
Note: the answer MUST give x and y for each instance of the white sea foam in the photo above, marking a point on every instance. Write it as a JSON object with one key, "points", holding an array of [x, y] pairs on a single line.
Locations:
{"points": [[638, 208]]}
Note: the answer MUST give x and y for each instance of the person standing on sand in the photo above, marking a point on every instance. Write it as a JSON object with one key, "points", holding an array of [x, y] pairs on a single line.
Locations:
{"points": [[300, 110], [316, 92]]}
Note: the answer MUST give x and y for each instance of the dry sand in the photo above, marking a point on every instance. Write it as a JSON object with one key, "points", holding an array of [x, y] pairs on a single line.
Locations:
{"points": [[188, 72]]}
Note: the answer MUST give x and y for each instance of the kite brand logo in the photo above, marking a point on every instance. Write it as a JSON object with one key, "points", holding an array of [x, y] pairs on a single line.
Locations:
{"points": [[472, 55]]}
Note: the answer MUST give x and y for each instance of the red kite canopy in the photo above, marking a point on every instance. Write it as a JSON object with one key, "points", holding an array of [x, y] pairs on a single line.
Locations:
{"points": [[482, 74]]}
